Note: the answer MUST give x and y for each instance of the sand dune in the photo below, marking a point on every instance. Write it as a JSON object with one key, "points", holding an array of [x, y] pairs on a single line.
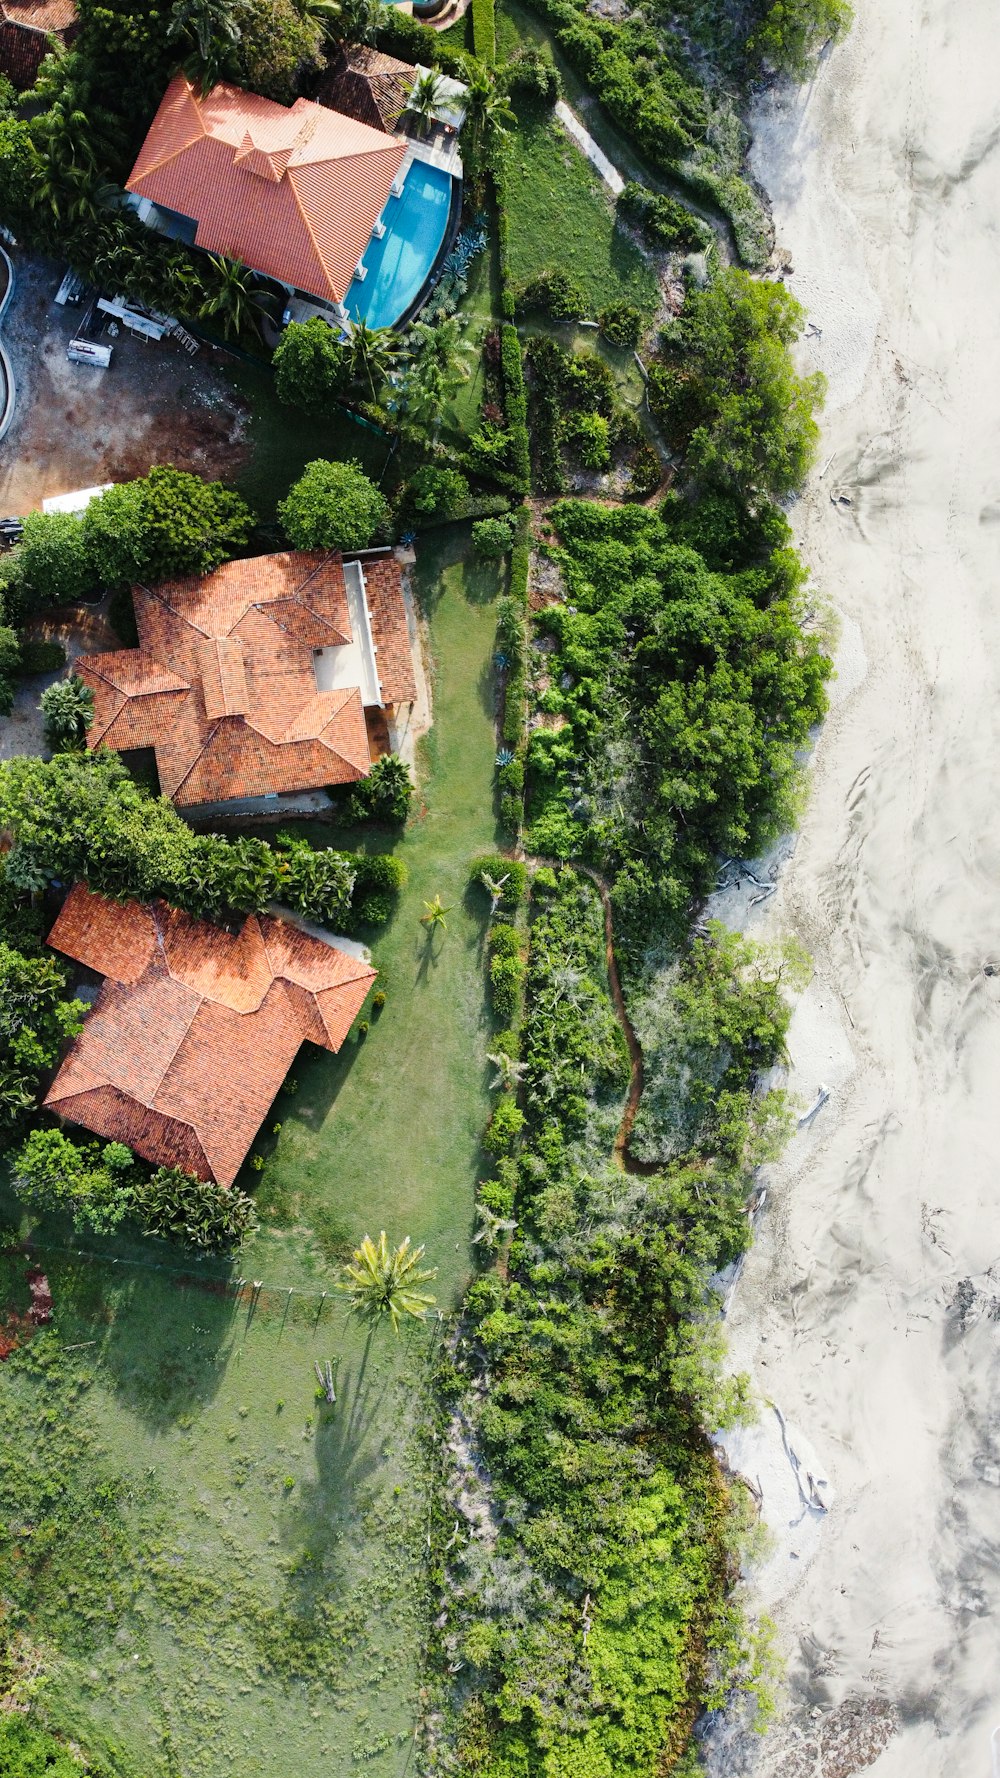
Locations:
{"points": [[870, 1309]]}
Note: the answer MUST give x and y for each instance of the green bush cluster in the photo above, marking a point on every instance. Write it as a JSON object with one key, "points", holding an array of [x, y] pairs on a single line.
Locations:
{"points": [[36, 1018], [512, 873], [596, 1627], [98, 1185], [515, 404], [84, 817], [492, 538], [621, 323], [686, 693], [166, 524], [386, 794], [532, 77], [27, 1751], [553, 293], [506, 973], [576, 414], [662, 220], [333, 506]]}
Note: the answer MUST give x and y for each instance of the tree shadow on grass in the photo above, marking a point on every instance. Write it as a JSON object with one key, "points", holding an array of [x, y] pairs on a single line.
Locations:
{"points": [[161, 1338]]}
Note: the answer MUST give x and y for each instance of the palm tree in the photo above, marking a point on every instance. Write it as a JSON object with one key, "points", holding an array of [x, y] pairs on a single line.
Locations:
{"points": [[488, 117], [371, 352], [425, 95], [494, 888], [329, 14], [509, 1073], [491, 1227], [435, 915], [233, 301], [384, 1282], [211, 30]]}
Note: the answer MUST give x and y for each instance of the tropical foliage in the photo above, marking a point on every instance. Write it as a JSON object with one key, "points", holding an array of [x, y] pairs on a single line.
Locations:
{"points": [[385, 1281], [332, 506], [35, 1020], [68, 709]]}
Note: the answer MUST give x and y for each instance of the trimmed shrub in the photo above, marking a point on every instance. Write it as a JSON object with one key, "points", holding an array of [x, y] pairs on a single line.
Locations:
{"points": [[332, 506], [435, 493], [504, 1127], [553, 292], [41, 657], [492, 538], [621, 323], [516, 404], [386, 793], [484, 31], [511, 872]]}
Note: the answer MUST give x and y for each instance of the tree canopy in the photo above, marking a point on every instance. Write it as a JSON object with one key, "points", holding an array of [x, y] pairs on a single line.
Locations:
{"points": [[311, 367], [332, 506], [727, 391]]}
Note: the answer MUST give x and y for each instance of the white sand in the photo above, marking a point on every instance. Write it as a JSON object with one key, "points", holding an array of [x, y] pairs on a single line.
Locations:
{"points": [[885, 179]]}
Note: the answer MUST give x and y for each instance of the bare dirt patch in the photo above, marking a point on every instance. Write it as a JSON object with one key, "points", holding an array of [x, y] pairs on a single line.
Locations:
{"points": [[75, 426]]}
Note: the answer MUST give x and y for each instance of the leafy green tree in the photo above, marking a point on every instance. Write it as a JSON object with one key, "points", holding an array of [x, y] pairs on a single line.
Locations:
{"points": [[92, 1184], [311, 367], [792, 31], [332, 506], [10, 661], [436, 492], [114, 535], [210, 32], [35, 1020], [189, 526], [68, 708], [385, 1281], [728, 393], [281, 45], [51, 562]]}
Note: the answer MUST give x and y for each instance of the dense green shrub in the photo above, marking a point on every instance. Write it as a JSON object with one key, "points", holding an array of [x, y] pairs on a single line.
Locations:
{"points": [[35, 1020], [553, 293], [792, 31], [41, 657], [11, 663], [332, 506], [590, 431], [91, 1182], [727, 392], [484, 31], [621, 323], [198, 1212], [82, 816], [492, 538], [386, 793], [510, 873], [532, 76], [504, 1127], [516, 405], [67, 707], [27, 1751], [311, 367], [662, 220], [435, 492]]}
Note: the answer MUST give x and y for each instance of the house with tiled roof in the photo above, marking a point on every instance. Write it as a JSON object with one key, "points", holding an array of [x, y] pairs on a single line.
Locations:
{"points": [[272, 675], [28, 29], [195, 1027], [306, 195], [365, 83]]}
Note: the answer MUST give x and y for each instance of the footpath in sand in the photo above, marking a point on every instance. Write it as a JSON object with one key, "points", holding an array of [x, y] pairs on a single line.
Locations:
{"points": [[870, 1308]]}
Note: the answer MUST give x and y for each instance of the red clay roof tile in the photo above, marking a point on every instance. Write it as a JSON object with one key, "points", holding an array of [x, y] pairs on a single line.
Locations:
{"points": [[194, 1033], [294, 192]]}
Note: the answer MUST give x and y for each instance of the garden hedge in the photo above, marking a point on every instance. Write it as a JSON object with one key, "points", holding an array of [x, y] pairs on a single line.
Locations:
{"points": [[484, 31], [516, 402]]}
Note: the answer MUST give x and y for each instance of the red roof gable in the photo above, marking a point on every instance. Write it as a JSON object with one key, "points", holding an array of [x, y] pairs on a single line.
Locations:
{"points": [[195, 1028], [291, 191], [224, 686]]}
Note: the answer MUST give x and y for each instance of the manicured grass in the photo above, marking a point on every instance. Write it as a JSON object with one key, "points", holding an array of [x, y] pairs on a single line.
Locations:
{"points": [[561, 215], [225, 1574]]}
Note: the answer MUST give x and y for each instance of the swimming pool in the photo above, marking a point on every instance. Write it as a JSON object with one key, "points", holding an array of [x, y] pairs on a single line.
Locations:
{"points": [[400, 264]]}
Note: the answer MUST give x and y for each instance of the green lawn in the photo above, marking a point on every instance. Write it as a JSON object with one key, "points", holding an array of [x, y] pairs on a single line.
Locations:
{"points": [[283, 440], [225, 1574], [561, 215]]}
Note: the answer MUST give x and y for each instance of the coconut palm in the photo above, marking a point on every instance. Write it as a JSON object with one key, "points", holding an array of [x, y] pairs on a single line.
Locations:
{"points": [[425, 95], [509, 1073], [491, 1227], [372, 351], [488, 117], [434, 916], [384, 1281], [211, 31], [494, 888], [233, 302]]}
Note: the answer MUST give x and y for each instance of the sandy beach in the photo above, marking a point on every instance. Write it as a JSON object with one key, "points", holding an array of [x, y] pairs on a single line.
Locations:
{"points": [[869, 1311]]}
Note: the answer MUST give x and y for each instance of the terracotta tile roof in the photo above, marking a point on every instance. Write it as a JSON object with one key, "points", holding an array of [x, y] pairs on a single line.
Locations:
{"points": [[292, 191], [39, 15], [195, 1028], [368, 85], [388, 616], [223, 685]]}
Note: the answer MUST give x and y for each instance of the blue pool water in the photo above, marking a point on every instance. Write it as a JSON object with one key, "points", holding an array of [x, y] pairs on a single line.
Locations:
{"points": [[399, 264]]}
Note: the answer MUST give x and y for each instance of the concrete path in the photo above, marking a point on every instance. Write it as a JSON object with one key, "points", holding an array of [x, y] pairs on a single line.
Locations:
{"points": [[596, 156]]}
